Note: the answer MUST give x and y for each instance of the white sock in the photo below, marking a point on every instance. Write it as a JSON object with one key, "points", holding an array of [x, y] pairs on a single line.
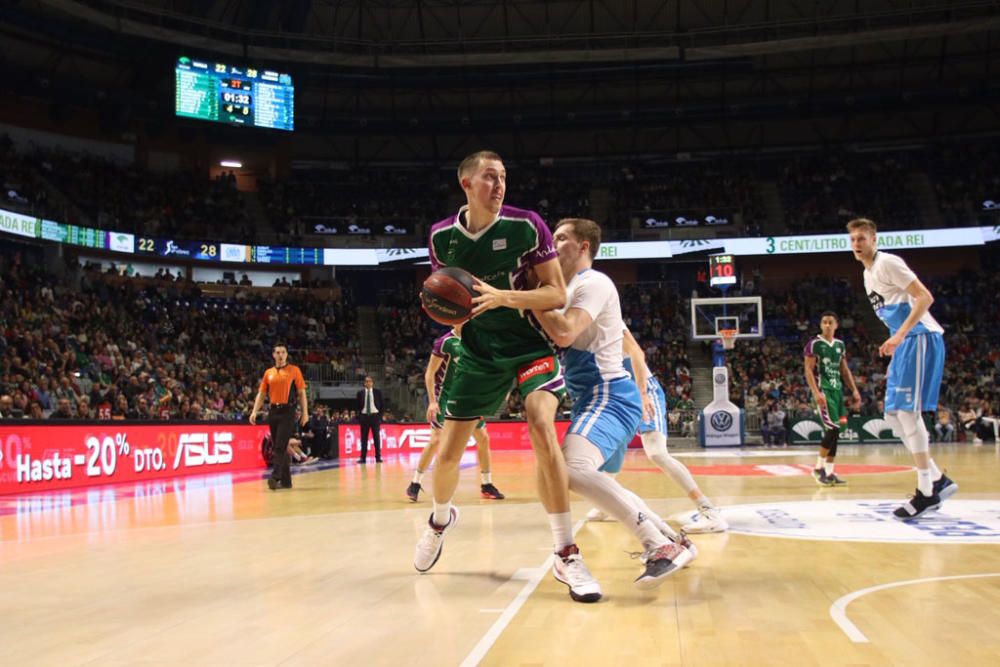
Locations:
{"points": [[442, 513], [935, 471], [820, 461], [417, 476], [828, 467], [562, 530], [924, 482], [487, 478]]}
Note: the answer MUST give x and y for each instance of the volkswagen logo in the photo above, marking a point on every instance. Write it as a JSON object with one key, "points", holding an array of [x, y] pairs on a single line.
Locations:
{"points": [[721, 421]]}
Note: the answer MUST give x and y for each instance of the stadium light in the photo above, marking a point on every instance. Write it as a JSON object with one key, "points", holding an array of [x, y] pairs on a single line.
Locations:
{"points": [[231, 163]]}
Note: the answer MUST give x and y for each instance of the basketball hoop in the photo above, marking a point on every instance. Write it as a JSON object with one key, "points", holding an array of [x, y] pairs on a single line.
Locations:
{"points": [[728, 338]]}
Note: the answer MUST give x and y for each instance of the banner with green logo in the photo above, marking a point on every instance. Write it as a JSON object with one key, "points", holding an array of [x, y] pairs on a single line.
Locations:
{"points": [[859, 430]]}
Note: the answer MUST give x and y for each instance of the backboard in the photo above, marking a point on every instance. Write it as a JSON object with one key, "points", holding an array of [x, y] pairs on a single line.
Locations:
{"points": [[745, 314]]}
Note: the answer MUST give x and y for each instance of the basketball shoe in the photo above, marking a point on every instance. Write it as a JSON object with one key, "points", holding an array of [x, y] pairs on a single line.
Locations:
{"points": [[945, 488], [708, 520], [491, 492], [412, 491], [597, 514], [820, 476], [833, 480], [432, 542], [917, 505], [661, 562], [570, 569]]}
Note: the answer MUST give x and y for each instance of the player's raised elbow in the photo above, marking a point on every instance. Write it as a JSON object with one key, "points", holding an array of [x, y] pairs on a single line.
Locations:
{"points": [[563, 338]]}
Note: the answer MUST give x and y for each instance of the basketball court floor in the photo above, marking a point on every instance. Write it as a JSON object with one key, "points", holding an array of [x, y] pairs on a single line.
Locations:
{"points": [[221, 571]]}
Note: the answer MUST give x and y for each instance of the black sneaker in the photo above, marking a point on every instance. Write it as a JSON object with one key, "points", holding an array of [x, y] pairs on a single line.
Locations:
{"points": [[820, 476], [917, 505], [833, 480], [661, 563], [412, 491], [945, 488], [491, 492], [272, 484]]}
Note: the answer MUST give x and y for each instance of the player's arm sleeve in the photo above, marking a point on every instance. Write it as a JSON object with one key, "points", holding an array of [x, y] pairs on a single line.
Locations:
{"points": [[593, 291], [437, 350], [546, 248], [897, 273]]}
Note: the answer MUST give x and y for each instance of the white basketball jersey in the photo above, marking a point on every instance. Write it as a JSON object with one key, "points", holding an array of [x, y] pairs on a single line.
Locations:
{"points": [[885, 283], [596, 354]]}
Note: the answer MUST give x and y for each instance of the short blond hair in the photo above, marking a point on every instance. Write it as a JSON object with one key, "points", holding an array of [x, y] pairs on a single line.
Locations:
{"points": [[862, 223], [584, 230], [471, 162]]}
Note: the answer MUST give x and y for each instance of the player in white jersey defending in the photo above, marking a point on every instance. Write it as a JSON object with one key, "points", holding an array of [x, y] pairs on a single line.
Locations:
{"points": [[607, 405], [916, 346], [653, 432]]}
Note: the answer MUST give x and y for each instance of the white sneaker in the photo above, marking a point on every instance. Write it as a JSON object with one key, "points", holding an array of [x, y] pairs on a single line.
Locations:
{"points": [[570, 569], [661, 562], [432, 542], [707, 521], [597, 514]]}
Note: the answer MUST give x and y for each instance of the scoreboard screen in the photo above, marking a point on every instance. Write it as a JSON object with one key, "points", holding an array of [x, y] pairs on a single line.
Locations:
{"points": [[721, 270], [181, 249], [235, 95]]}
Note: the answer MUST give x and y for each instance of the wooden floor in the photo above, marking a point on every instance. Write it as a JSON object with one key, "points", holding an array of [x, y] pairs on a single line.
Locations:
{"points": [[217, 571]]}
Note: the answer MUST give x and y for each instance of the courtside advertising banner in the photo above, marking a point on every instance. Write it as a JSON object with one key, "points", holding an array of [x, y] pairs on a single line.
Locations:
{"points": [[412, 438], [51, 457]]}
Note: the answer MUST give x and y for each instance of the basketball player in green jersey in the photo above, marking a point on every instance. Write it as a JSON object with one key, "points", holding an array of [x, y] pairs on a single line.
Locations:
{"points": [[503, 345], [826, 358]]}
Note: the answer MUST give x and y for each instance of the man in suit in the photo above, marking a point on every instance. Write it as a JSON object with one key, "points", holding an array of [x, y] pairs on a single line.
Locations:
{"points": [[370, 408]]}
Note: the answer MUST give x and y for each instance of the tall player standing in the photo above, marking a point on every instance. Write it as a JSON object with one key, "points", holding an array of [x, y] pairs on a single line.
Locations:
{"points": [[826, 373], [499, 245], [916, 345]]}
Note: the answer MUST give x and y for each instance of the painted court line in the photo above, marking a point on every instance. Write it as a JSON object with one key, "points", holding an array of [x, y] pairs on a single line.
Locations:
{"points": [[480, 650], [838, 610]]}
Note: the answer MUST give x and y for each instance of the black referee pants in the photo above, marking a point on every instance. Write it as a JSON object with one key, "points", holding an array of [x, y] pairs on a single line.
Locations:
{"points": [[281, 419]]}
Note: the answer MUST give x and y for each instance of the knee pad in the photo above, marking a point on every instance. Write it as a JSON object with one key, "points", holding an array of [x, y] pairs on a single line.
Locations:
{"points": [[654, 443], [834, 439], [894, 423], [914, 431]]}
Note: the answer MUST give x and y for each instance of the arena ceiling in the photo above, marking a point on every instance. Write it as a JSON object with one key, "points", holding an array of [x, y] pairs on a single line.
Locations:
{"points": [[596, 76]]}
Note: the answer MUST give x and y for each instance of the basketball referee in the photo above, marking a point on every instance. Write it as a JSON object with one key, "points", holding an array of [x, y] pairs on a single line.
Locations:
{"points": [[281, 382]]}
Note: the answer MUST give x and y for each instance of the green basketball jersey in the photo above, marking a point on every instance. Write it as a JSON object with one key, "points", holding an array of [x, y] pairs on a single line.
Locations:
{"points": [[501, 256], [828, 356]]}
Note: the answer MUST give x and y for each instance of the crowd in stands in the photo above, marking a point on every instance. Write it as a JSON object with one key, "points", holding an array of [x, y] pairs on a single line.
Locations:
{"points": [[967, 183], [720, 189], [90, 345], [824, 192], [950, 185]]}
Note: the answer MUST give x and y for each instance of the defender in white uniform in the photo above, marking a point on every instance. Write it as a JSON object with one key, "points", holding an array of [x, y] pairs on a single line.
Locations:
{"points": [[607, 405], [913, 381]]}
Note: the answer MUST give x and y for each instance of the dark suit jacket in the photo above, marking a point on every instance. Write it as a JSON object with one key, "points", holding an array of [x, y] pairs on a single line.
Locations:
{"points": [[379, 405]]}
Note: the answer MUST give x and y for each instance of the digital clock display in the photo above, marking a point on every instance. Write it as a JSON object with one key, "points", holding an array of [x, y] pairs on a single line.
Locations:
{"points": [[235, 95], [721, 270]]}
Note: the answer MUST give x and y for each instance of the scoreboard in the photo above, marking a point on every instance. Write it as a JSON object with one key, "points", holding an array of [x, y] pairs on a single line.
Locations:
{"points": [[721, 270], [235, 95]]}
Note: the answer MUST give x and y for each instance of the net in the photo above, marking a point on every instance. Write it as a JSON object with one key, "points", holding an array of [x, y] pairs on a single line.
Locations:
{"points": [[728, 338]]}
